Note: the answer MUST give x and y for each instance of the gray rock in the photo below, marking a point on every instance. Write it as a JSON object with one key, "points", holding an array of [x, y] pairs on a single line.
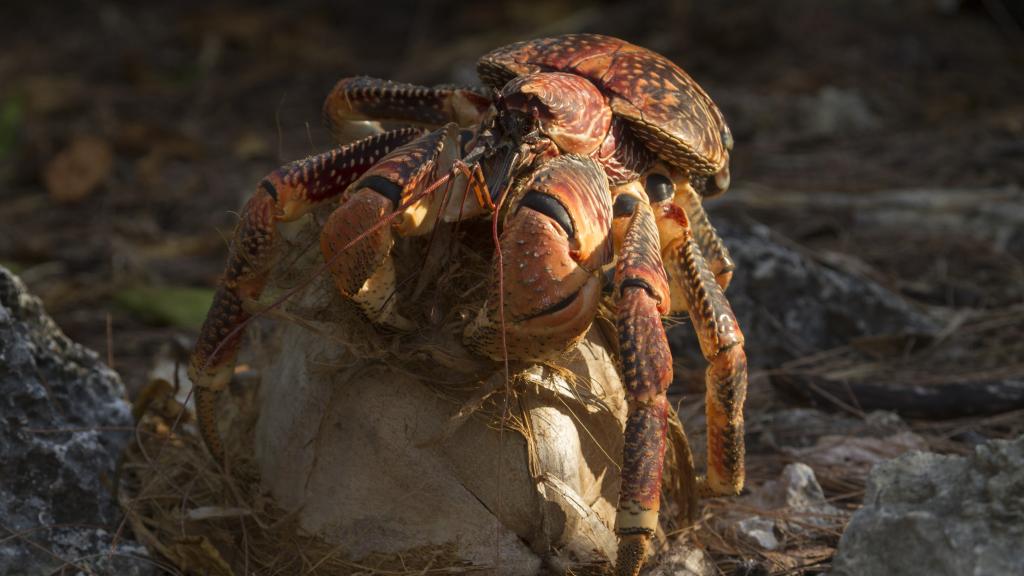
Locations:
{"points": [[926, 513], [793, 504], [54, 509], [797, 489], [792, 428], [684, 560], [759, 531], [790, 305]]}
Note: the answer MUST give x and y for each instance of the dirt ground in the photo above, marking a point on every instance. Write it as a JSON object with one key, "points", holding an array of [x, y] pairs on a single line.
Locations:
{"points": [[130, 132]]}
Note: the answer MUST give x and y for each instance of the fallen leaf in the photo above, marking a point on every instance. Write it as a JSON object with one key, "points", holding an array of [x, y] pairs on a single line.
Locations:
{"points": [[252, 145], [180, 306], [79, 169], [48, 94]]}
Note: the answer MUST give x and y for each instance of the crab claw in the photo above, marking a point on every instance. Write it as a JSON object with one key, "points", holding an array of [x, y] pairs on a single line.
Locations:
{"points": [[553, 246]]}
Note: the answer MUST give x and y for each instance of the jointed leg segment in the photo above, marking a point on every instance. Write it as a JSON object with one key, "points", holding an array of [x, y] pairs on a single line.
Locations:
{"points": [[721, 343], [661, 268], [711, 245], [285, 194], [364, 98], [647, 373]]}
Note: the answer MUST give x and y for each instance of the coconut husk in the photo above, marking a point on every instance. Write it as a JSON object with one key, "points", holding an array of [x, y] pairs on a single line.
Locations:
{"points": [[355, 450]]}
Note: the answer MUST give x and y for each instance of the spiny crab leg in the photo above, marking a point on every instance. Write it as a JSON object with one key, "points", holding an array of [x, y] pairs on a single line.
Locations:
{"points": [[711, 245], [721, 343], [364, 98], [643, 296], [284, 195]]}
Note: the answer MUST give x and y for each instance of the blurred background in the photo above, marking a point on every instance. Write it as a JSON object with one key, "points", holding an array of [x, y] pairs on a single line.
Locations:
{"points": [[129, 132], [876, 212]]}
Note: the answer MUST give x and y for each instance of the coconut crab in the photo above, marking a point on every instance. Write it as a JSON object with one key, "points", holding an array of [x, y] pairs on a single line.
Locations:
{"points": [[592, 156]]}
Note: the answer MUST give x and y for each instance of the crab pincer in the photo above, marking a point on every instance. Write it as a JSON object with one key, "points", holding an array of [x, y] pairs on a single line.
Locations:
{"points": [[554, 243]]}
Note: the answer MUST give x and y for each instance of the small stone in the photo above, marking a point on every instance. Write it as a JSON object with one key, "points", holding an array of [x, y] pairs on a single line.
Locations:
{"points": [[797, 491], [759, 530], [683, 560], [802, 491]]}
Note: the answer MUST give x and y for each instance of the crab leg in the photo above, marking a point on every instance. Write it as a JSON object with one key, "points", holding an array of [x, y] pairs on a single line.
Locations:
{"points": [[711, 245], [364, 98], [721, 343], [647, 372], [285, 194]]}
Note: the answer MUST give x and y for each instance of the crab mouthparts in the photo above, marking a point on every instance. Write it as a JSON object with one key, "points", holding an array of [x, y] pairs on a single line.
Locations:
{"points": [[507, 160]]}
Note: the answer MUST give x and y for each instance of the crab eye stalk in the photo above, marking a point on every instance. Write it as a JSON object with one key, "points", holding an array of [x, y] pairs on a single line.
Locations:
{"points": [[659, 188], [709, 186], [625, 205], [727, 140], [718, 182]]}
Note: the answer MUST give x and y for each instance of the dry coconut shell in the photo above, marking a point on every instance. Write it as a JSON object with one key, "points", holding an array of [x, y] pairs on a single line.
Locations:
{"points": [[360, 451]]}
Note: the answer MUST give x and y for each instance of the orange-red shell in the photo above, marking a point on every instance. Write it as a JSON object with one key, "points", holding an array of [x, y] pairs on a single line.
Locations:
{"points": [[573, 111], [664, 106]]}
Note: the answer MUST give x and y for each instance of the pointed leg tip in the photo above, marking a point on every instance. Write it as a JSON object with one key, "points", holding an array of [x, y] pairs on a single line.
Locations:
{"points": [[206, 409], [632, 554]]}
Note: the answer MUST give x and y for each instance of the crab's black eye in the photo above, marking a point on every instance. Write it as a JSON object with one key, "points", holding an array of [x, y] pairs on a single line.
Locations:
{"points": [[548, 206], [659, 188], [624, 205]]}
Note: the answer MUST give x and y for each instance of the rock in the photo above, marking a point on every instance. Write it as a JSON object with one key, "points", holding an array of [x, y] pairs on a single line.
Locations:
{"points": [[759, 530], [926, 513], [793, 504], [797, 489], [54, 485], [789, 305], [790, 429], [857, 454], [683, 560]]}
